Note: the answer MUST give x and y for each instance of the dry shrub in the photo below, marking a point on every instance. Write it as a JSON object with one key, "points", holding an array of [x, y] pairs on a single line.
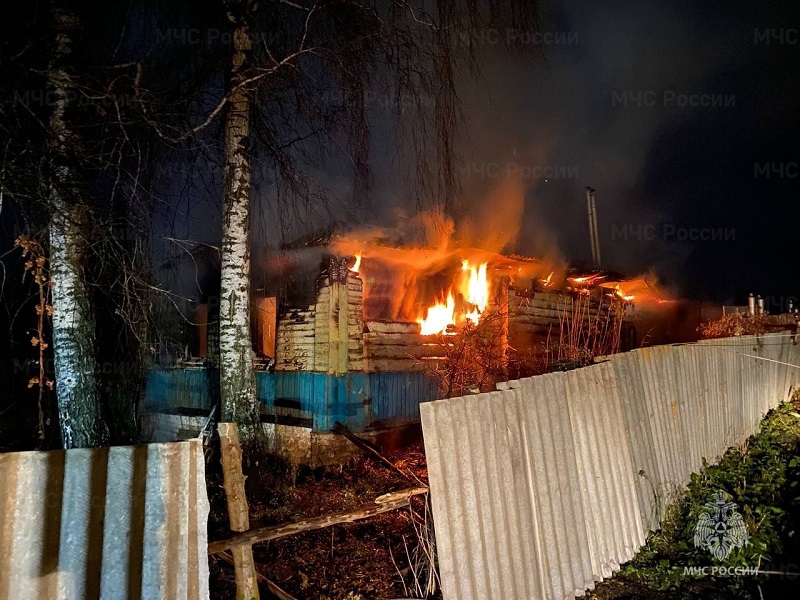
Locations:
{"points": [[474, 356], [733, 325]]}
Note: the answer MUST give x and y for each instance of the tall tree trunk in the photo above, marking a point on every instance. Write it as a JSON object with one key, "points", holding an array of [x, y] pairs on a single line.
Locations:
{"points": [[73, 330], [237, 382]]}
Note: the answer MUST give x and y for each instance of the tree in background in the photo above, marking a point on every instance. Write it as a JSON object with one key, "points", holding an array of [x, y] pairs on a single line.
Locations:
{"points": [[70, 183], [79, 413]]}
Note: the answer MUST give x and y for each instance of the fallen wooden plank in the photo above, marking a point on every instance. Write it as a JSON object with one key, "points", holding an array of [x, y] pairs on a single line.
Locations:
{"points": [[388, 502], [370, 449]]}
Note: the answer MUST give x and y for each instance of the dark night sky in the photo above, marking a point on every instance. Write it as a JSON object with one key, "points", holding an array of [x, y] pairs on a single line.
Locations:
{"points": [[696, 167], [662, 171], [665, 170], [676, 171]]}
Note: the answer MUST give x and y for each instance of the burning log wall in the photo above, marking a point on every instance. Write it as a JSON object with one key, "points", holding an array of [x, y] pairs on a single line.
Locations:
{"points": [[310, 339], [332, 336], [325, 337], [397, 346]]}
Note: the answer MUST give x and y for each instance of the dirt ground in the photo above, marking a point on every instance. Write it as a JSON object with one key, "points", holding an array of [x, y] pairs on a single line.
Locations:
{"points": [[366, 559]]}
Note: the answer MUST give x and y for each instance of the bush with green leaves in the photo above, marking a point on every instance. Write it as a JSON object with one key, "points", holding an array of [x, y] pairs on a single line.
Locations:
{"points": [[762, 477]]}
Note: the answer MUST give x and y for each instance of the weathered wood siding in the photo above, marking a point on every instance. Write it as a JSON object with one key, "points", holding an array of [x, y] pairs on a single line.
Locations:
{"points": [[296, 335], [332, 337], [536, 317], [396, 346]]}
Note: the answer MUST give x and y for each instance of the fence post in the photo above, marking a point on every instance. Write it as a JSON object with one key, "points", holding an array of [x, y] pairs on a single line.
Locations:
{"points": [[233, 482]]}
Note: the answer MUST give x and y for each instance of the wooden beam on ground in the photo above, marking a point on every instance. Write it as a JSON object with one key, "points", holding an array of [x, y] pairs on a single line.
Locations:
{"points": [[238, 515], [382, 504], [340, 429]]}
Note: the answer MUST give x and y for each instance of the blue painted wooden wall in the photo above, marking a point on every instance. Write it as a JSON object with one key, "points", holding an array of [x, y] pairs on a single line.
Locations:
{"points": [[359, 400]]}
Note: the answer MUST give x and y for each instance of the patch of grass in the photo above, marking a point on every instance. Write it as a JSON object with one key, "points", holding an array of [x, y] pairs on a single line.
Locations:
{"points": [[763, 478]]}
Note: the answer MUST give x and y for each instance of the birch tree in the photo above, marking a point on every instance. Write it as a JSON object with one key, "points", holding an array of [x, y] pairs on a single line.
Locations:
{"points": [[79, 413], [237, 381]]}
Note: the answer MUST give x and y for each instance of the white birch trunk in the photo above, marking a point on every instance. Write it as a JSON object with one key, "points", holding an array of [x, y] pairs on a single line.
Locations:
{"points": [[237, 382], [73, 330]]}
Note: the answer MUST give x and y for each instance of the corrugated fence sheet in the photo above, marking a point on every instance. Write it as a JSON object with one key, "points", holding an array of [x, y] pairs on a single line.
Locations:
{"points": [[544, 487], [121, 522]]}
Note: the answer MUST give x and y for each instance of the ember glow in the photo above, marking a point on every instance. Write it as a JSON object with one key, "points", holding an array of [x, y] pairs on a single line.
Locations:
{"points": [[587, 280], [617, 290], [634, 290]]}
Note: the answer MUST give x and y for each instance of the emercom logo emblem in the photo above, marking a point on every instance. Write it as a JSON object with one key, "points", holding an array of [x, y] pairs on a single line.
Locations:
{"points": [[720, 527]]}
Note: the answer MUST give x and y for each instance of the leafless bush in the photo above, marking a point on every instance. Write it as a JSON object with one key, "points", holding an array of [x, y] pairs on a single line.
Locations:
{"points": [[475, 356], [733, 325], [586, 332], [422, 566]]}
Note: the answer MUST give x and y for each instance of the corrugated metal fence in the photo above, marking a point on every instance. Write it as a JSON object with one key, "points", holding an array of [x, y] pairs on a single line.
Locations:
{"points": [[545, 487], [122, 522]]}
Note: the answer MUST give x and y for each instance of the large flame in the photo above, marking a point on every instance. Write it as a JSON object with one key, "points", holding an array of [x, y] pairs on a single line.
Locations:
{"points": [[477, 286], [410, 272], [438, 317], [473, 298], [476, 291]]}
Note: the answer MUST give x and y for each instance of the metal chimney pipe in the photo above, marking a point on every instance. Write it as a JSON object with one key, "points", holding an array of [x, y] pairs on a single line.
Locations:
{"points": [[591, 222], [596, 230], [751, 304], [760, 305]]}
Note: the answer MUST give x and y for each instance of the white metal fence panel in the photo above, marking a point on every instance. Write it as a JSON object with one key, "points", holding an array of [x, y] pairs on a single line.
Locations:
{"points": [[121, 522], [547, 485]]}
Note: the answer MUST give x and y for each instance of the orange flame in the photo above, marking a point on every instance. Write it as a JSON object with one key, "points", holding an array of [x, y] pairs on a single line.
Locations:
{"points": [[438, 317], [473, 294], [634, 289], [357, 265], [587, 279], [477, 291]]}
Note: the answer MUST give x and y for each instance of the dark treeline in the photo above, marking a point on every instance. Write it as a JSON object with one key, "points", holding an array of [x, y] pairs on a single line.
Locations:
{"points": [[118, 119]]}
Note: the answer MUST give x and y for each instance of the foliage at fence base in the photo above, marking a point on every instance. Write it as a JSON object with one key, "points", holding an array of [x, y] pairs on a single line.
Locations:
{"points": [[763, 478]]}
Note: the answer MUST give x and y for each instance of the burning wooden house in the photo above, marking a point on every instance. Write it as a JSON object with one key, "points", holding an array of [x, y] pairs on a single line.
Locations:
{"points": [[386, 327]]}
